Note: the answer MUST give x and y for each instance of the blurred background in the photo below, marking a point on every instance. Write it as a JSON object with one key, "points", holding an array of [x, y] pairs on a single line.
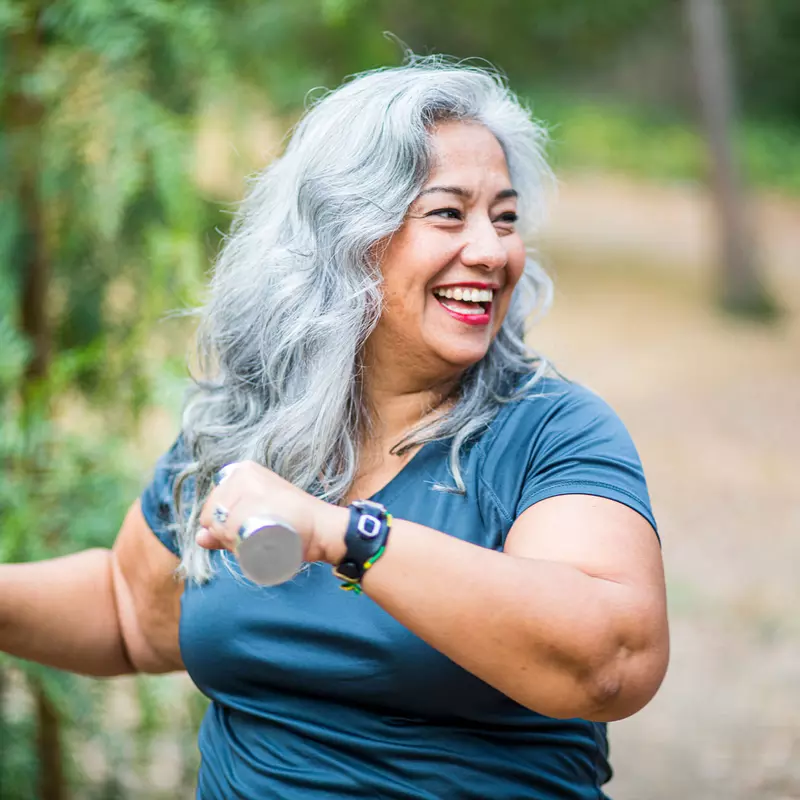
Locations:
{"points": [[127, 130]]}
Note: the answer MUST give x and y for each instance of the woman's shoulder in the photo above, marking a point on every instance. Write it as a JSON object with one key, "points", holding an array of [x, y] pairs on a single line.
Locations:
{"points": [[560, 437], [548, 404], [555, 388]]}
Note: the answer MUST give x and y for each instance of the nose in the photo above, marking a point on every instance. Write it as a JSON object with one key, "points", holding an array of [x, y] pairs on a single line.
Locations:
{"points": [[484, 248]]}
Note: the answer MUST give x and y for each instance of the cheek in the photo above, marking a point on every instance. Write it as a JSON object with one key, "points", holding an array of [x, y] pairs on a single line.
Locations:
{"points": [[410, 269], [394, 284], [403, 300], [516, 260], [514, 271]]}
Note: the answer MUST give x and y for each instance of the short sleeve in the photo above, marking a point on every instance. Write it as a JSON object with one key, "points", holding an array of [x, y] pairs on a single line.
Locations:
{"points": [[582, 447], [157, 500]]}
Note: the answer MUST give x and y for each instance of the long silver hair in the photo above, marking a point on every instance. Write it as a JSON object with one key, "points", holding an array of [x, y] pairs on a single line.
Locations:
{"points": [[296, 289]]}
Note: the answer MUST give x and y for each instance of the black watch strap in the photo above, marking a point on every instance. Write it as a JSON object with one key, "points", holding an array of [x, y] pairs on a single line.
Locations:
{"points": [[367, 532]]}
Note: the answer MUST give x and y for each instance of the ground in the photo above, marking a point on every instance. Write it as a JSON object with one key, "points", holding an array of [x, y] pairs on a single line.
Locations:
{"points": [[714, 407]]}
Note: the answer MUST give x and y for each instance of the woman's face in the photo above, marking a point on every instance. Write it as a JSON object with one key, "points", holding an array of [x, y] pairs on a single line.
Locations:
{"points": [[451, 268]]}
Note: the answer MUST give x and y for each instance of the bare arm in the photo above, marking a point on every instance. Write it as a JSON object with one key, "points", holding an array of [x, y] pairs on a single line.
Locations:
{"points": [[98, 612], [570, 621]]}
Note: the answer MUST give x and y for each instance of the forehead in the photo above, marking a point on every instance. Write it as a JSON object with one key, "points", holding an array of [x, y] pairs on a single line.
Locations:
{"points": [[467, 149]]}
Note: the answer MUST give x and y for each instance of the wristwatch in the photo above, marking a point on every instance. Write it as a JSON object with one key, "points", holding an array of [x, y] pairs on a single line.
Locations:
{"points": [[365, 540]]}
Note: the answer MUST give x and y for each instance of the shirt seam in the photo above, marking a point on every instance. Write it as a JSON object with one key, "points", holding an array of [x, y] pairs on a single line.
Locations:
{"points": [[556, 484], [484, 446], [496, 500]]}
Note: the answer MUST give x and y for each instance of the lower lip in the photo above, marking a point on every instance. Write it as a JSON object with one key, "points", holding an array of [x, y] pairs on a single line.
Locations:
{"points": [[470, 319]]}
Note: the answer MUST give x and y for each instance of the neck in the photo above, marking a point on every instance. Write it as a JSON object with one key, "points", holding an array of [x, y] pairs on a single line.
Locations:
{"points": [[397, 405]]}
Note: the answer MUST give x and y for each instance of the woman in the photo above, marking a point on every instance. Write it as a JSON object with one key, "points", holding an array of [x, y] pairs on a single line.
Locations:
{"points": [[363, 341]]}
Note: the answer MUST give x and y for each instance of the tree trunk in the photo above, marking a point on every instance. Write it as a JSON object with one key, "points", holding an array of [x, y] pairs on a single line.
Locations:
{"points": [[48, 742], [24, 121], [3, 728], [35, 284], [24, 115], [740, 283]]}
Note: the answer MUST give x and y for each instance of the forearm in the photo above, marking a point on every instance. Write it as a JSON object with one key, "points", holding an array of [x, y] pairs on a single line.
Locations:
{"points": [[546, 634], [63, 613]]}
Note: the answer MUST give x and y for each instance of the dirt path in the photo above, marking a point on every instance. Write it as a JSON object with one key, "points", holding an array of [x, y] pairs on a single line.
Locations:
{"points": [[714, 406]]}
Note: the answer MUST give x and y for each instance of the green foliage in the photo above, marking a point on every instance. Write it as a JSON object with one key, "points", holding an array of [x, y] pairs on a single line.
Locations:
{"points": [[113, 166], [14, 350], [767, 40], [597, 135], [97, 125], [51, 484], [61, 492], [99, 108]]}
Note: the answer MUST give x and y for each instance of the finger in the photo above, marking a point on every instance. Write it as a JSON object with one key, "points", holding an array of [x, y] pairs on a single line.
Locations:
{"points": [[218, 508], [207, 539], [225, 472], [223, 533]]}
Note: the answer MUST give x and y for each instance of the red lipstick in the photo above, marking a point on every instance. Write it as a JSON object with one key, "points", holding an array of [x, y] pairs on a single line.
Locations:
{"points": [[468, 319], [471, 284]]}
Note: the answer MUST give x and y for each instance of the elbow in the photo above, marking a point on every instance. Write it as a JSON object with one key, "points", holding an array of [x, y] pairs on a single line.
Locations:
{"points": [[620, 687], [624, 685], [625, 666], [605, 689]]}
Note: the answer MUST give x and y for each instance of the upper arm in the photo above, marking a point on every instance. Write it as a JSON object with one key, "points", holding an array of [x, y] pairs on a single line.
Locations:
{"points": [[582, 502], [583, 498], [617, 547], [148, 595], [600, 537]]}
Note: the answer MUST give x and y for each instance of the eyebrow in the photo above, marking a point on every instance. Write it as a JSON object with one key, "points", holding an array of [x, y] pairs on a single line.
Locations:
{"points": [[460, 191]]}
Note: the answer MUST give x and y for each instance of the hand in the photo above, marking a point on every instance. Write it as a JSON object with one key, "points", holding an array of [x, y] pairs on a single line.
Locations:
{"points": [[251, 490]]}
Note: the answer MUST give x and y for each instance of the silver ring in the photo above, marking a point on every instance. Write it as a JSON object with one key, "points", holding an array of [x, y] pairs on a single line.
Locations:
{"points": [[220, 514], [225, 473]]}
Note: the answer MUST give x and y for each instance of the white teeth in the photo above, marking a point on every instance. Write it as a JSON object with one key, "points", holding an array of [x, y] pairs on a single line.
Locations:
{"points": [[467, 294]]}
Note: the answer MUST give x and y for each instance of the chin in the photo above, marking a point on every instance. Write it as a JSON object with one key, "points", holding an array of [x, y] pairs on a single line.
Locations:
{"points": [[462, 357]]}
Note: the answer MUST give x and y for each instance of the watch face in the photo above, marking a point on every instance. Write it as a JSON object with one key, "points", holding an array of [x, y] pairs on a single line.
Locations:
{"points": [[368, 526]]}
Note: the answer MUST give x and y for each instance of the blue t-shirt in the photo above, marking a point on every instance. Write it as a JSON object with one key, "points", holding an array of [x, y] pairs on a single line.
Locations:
{"points": [[319, 693]]}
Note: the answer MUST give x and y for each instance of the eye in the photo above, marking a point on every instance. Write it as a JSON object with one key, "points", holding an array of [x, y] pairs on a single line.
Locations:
{"points": [[509, 217], [446, 213]]}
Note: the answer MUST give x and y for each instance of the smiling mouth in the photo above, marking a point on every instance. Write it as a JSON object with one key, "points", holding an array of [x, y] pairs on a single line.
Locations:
{"points": [[466, 304]]}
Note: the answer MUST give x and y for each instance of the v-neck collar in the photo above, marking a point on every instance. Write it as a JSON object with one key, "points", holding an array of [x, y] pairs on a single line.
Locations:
{"points": [[405, 476]]}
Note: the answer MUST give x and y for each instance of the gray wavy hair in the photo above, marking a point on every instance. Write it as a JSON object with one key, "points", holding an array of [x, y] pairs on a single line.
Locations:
{"points": [[296, 289]]}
